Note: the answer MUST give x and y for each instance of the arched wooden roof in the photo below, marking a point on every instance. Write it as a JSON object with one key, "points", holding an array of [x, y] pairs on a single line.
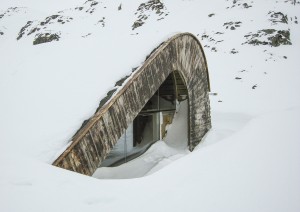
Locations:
{"points": [[182, 53]]}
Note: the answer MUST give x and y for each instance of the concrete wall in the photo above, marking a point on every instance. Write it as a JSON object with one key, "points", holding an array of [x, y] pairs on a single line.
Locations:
{"points": [[182, 53]]}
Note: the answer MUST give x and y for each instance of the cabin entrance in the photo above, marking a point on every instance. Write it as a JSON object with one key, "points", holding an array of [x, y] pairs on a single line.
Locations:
{"points": [[151, 124]]}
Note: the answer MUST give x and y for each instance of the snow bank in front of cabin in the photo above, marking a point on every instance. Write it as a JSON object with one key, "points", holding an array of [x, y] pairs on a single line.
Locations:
{"points": [[160, 154], [253, 169]]}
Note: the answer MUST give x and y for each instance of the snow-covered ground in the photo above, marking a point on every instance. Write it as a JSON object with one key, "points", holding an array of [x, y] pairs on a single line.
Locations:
{"points": [[249, 161]]}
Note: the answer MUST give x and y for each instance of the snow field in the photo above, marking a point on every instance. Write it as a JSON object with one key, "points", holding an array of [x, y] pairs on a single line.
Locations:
{"points": [[249, 161]]}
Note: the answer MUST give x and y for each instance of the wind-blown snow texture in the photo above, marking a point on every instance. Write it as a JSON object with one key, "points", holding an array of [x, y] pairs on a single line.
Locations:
{"points": [[250, 159]]}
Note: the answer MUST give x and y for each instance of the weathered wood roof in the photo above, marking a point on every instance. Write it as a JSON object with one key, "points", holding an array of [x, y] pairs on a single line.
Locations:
{"points": [[182, 53]]}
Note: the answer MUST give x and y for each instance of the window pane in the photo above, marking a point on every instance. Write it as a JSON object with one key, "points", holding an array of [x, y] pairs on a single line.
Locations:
{"points": [[120, 151], [152, 104]]}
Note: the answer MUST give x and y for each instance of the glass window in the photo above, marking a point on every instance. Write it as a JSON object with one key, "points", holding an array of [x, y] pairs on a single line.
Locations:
{"points": [[146, 128], [152, 104], [144, 131], [150, 125]]}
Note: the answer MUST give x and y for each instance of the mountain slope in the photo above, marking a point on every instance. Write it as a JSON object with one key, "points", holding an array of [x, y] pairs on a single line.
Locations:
{"points": [[249, 161]]}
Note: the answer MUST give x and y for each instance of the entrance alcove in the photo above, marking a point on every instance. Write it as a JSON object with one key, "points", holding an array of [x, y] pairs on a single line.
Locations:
{"points": [[152, 122]]}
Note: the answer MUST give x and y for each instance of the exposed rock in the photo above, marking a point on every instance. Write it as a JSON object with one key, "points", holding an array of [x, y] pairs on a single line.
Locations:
{"points": [[10, 10], [89, 6], [33, 30], [211, 15], [48, 19], [294, 2], [245, 5], [296, 20], [79, 8], [238, 3], [232, 25], [233, 51], [214, 49], [45, 38], [270, 37], [144, 11], [84, 36], [204, 36], [278, 17], [23, 30], [137, 23], [207, 37], [41, 29], [102, 22], [281, 38]]}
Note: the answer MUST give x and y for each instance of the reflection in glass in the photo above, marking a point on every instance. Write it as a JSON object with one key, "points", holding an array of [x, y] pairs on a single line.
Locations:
{"points": [[150, 125]]}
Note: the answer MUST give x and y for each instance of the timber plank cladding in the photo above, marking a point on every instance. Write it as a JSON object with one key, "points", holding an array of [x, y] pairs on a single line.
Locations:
{"points": [[181, 54]]}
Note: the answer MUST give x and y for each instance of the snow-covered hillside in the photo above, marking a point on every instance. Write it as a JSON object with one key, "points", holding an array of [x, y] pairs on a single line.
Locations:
{"points": [[59, 59]]}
